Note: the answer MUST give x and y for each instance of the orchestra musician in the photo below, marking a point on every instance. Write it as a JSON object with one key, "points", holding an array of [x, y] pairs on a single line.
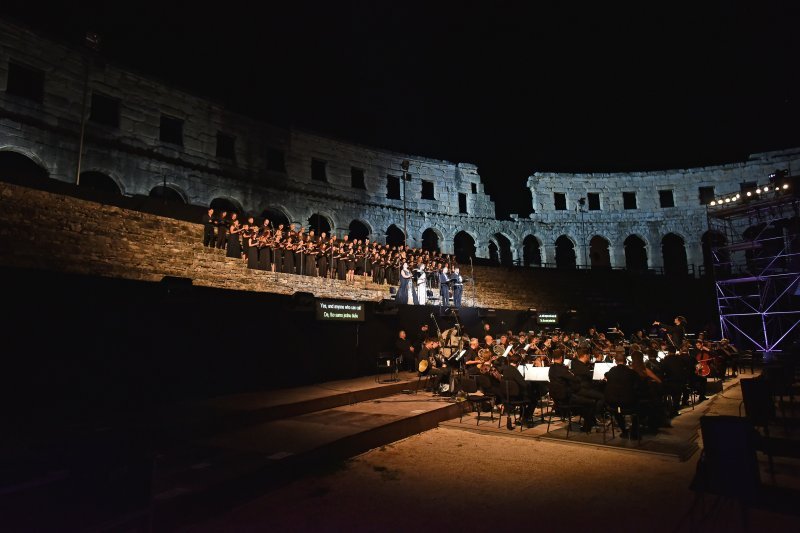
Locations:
{"points": [[436, 366], [565, 389]]}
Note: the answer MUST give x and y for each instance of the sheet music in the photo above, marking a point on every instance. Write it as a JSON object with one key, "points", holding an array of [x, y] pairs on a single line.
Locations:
{"points": [[568, 363], [600, 370], [460, 354], [534, 373], [505, 354], [525, 349]]}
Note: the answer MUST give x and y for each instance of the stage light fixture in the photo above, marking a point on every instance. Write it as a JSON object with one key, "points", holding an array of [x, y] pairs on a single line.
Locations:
{"points": [[727, 200], [713, 203], [785, 186], [749, 193], [758, 191]]}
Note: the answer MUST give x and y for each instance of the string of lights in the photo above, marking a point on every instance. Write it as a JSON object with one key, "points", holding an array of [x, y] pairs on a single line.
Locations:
{"points": [[779, 183]]}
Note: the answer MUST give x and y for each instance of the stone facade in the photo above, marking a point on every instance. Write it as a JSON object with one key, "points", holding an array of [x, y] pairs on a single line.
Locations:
{"points": [[270, 168], [649, 220]]}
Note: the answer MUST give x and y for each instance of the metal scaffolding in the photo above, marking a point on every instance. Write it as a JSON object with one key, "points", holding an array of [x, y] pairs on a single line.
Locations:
{"points": [[755, 244]]}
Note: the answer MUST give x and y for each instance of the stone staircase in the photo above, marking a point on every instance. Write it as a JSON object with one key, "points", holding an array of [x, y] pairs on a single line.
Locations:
{"points": [[46, 231]]}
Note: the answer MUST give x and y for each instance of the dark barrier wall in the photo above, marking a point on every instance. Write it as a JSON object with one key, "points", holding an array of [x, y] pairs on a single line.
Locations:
{"points": [[77, 344]]}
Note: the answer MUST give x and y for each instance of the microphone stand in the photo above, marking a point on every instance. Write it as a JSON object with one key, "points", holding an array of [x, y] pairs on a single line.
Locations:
{"points": [[472, 280]]}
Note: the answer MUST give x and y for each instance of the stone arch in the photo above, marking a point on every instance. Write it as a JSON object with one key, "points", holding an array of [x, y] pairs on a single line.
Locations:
{"points": [[565, 252], [358, 230], [431, 240], [464, 246], [226, 203], [635, 253], [494, 252], [320, 223], [277, 215], [673, 250], [531, 251], [19, 166], [503, 243], [170, 193], [599, 254], [394, 236], [370, 231], [710, 240], [100, 181]]}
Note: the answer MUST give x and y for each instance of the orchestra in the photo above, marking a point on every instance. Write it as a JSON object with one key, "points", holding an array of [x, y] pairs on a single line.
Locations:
{"points": [[655, 382], [292, 250]]}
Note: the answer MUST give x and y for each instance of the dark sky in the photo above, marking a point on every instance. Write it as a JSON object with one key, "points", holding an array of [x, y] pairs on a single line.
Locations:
{"points": [[515, 87]]}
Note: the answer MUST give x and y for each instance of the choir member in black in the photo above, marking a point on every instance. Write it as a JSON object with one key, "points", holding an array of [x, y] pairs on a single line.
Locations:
{"points": [[277, 252], [288, 253], [351, 263], [208, 229], [247, 230], [222, 229], [234, 248], [565, 388], [341, 262], [405, 351], [322, 259], [458, 287], [623, 388], [444, 287], [264, 249], [252, 250], [310, 267]]}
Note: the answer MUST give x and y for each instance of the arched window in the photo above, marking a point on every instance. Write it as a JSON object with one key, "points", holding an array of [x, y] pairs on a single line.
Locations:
{"points": [[531, 251], [494, 253], [463, 246], [276, 217], [674, 253], [598, 252], [319, 224], [97, 181], [565, 252], [430, 241], [635, 253], [17, 168], [711, 241], [224, 204], [394, 236], [506, 257], [168, 194], [358, 230]]}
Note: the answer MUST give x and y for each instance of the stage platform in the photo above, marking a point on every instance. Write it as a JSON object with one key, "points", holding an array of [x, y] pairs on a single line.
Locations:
{"points": [[678, 442], [234, 447]]}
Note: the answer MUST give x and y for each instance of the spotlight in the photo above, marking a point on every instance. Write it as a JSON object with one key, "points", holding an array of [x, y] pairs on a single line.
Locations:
{"points": [[785, 186], [758, 191], [713, 203], [727, 200], [749, 193]]}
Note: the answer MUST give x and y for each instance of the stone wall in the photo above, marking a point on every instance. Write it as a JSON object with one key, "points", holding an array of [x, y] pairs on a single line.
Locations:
{"points": [[649, 220], [133, 156]]}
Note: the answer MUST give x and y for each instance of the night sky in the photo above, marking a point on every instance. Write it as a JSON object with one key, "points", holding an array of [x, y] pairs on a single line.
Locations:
{"points": [[514, 87]]}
